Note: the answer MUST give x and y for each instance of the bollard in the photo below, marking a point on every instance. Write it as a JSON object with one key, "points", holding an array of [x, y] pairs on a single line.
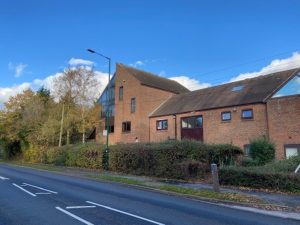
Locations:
{"points": [[215, 177]]}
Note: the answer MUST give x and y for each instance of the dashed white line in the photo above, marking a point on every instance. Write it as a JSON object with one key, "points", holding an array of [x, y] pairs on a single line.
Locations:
{"points": [[74, 216], [43, 193], [81, 207], [44, 189], [28, 192], [126, 213], [4, 178]]}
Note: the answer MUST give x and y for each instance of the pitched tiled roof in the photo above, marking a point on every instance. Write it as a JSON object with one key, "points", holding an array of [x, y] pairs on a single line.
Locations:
{"points": [[155, 81], [253, 90]]}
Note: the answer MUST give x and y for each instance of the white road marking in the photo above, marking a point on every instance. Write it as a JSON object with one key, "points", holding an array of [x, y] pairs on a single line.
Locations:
{"points": [[44, 189], [43, 193], [4, 178], [81, 207], [126, 213], [74, 216], [28, 192]]}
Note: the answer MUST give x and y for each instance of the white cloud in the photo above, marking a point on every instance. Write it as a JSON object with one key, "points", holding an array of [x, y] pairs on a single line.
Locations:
{"points": [[138, 63], [18, 69], [48, 82], [190, 83], [275, 66], [80, 62], [7, 92]]}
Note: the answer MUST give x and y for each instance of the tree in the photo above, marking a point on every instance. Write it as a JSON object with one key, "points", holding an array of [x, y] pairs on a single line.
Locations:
{"points": [[75, 91]]}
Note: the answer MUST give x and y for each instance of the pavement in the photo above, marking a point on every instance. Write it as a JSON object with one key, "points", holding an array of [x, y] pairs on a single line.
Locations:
{"points": [[289, 200], [35, 197]]}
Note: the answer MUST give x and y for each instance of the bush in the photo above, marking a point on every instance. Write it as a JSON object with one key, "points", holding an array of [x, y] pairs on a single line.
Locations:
{"points": [[56, 156], [248, 162], [260, 179], [224, 154], [171, 159], [33, 154], [12, 150], [87, 155], [261, 150]]}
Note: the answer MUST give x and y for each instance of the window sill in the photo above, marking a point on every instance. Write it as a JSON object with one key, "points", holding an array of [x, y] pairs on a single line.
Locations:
{"points": [[225, 121], [250, 119]]}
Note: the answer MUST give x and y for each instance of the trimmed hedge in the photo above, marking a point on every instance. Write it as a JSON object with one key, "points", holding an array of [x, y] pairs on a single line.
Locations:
{"points": [[260, 179], [171, 159], [87, 155]]}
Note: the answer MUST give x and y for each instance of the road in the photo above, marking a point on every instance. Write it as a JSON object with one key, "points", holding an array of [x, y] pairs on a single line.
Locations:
{"points": [[34, 197]]}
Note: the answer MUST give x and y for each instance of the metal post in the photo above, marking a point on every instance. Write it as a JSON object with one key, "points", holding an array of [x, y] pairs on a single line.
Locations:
{"points": [[105, 158], [215, 177]]}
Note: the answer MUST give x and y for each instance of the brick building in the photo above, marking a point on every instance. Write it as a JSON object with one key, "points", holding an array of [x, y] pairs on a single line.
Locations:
{"points": [[148, 108]]}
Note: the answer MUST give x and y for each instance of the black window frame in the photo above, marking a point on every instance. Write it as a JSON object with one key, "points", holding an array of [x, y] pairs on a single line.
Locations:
{"points": [[133, 105], [291, 146], [126, 126], [162, 127], [247, 118], [194, 122], [225, 112], [121, 93]]}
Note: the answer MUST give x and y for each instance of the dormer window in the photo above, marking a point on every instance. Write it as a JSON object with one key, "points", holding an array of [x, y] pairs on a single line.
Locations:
{"points": [[237, 88]]}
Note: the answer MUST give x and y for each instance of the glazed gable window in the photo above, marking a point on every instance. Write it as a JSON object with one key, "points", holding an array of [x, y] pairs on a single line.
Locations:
{"points": [[247, 114], [162, 125], [121, 89], [132, 105]]}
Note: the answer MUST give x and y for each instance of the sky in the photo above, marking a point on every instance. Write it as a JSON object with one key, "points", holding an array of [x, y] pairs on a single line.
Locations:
{"points": [[196, 42]]}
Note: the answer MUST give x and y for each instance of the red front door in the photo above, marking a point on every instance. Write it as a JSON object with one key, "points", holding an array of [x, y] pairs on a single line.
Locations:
{"points": [[192, 128]]}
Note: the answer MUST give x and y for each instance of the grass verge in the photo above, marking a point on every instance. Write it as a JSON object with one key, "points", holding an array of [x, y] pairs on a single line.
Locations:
{"points": [[205, 194]]}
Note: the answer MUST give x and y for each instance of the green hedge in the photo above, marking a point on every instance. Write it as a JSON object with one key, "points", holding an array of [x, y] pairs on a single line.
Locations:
{"points": [[260, 180], [171, 159], [88, 155]]}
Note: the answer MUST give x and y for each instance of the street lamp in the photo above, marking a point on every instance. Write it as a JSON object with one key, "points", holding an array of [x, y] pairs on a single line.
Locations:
{"points": [[105, 159]]}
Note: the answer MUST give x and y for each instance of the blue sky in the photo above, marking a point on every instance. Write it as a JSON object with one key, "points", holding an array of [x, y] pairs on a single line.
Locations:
{"points": [[198, 43]]}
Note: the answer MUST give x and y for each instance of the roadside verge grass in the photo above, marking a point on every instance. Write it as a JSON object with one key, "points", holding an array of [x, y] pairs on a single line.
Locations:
{"points": [[99, 175]]}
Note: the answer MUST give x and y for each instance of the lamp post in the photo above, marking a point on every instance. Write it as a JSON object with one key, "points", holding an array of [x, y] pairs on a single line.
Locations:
{"points": [[105, 160]]}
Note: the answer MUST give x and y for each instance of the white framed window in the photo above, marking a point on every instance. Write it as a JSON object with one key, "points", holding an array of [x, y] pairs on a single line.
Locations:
{"points": [[291, 150]]}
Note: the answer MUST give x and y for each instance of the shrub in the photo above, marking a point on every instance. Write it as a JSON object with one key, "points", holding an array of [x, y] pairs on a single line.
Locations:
{"points": [[12, 149], [171, 159], [32, 153], [260, 179], [261, 150], [56, 156], [192, 169], [224, 154], [88, 155], [248, 162]]}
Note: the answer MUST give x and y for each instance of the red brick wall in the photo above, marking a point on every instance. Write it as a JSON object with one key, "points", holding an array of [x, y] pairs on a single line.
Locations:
{"points": [[284, 122], [236, 131], [147, 100]]}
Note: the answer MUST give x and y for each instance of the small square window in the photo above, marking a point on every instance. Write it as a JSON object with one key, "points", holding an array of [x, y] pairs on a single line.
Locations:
{"points": [[226, 116], [291, 150], [162, 125], [126, 126], [247, 114]]}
